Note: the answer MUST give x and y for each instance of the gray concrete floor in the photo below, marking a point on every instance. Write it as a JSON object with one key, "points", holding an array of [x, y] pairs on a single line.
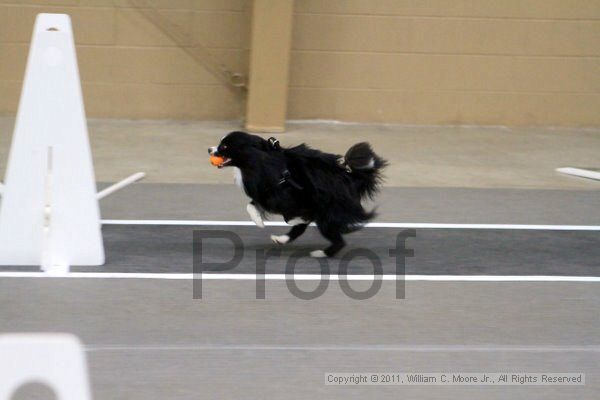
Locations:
{"points": [[420, 156], [394, 204], [149, 339]]}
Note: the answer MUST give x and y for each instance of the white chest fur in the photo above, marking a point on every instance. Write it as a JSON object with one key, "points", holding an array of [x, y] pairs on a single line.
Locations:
{"points": [[237, 177]]}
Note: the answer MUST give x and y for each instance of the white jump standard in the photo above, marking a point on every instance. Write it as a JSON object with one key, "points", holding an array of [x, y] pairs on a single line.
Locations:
{"points": [[49, 214]]}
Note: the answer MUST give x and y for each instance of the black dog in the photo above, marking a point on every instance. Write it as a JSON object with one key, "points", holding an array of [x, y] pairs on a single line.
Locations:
{"points": [[304, 185]]}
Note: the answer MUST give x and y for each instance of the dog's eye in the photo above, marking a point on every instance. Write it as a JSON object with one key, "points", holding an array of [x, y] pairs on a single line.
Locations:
{"points": [[224, 146]]}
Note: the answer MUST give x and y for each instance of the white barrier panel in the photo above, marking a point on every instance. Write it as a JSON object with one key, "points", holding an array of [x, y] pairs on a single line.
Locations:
{"points": [[56, 360], [580, 172], [49, 214]]}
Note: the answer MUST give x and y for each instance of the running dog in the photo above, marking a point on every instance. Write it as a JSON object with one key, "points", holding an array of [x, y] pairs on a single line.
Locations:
{"points": [[304, 185]]}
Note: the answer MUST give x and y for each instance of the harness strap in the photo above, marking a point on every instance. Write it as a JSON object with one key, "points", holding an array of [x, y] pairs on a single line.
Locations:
{"points": [[286, 177], [274, 143], [344, 164]]}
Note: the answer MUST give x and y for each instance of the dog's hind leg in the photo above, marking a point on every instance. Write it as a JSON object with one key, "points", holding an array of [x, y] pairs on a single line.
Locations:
{"points": [[293, 234], [296, 221], [336, 239]]}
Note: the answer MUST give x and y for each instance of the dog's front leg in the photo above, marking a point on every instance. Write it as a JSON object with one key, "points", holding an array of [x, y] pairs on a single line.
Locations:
{"points": [[255, 215]]}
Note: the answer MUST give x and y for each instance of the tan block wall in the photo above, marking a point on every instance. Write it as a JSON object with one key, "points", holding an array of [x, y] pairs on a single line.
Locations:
{"points": [[128, 67], [499, 62]]}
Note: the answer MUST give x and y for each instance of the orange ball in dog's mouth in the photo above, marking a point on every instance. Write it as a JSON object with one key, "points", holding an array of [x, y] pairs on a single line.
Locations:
{"points": [[219, 162]]}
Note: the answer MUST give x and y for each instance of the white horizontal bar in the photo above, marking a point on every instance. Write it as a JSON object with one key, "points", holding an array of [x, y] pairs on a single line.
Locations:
{"points": [[369, 225], [412, 348], [120, 185], [303, 277], [583, 173]]}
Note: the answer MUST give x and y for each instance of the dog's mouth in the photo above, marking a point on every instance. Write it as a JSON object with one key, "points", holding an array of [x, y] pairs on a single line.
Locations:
{"points": [[214, 152], [226, 162]]}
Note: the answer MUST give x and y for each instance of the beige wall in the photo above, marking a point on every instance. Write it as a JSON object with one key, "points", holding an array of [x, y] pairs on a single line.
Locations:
{"points": [[504, 62], [129, 68], [500, 62]]}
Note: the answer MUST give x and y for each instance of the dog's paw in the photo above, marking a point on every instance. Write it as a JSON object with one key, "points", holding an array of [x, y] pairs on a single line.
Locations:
{"points": [[318, 254], [255, 215], [280, 239]]}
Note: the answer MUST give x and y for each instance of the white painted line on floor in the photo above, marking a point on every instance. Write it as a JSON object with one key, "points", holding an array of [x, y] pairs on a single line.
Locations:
{"points": [[369, 225], [407, 348], [301, 277]]}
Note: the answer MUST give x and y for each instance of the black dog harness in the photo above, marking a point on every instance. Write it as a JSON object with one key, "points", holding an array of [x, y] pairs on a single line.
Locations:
{"points": [[274, 143], [286, 176]]}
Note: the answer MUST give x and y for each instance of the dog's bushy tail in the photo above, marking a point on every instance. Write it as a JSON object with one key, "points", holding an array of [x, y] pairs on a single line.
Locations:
{"points": [[365, 168]]}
